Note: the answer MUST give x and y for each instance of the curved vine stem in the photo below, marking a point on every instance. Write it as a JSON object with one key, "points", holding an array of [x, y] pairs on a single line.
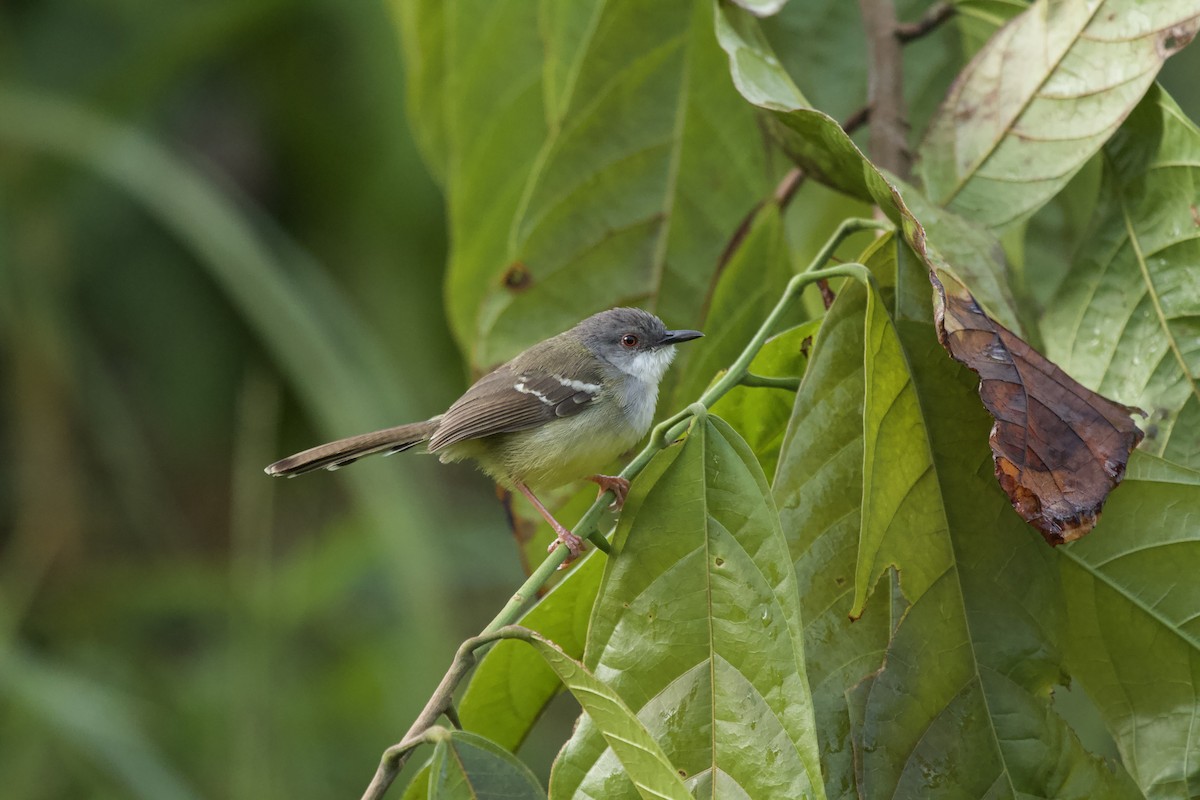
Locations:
{"points": [[664, 435]]}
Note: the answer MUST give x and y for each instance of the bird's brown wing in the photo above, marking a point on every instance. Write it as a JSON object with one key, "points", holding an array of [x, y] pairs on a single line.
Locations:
{"points": [[511, 399]]}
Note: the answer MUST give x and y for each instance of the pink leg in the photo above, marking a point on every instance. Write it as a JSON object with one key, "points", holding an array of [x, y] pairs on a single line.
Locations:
{"points": [[573, 542], [612, 483]]}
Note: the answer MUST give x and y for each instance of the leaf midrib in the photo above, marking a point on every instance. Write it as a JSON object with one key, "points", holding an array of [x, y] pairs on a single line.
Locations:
{"points": [[1003, 132]]}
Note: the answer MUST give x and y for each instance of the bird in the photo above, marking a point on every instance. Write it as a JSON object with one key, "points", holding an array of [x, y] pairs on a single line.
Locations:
{"points": [[557, 412]]}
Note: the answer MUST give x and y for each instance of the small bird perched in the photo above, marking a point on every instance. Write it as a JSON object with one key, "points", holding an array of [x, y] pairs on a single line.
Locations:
{"points": [[554, 414]]}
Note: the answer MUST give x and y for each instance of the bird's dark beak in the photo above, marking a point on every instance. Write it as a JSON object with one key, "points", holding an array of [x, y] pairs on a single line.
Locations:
{"points": [[675, 337]]}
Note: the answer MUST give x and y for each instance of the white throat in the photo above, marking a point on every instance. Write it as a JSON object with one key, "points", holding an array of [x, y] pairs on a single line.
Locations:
{"points": [[648, 366]]}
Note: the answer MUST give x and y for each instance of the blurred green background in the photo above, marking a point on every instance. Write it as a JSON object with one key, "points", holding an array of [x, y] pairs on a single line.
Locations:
{"points": [[219, 245]]}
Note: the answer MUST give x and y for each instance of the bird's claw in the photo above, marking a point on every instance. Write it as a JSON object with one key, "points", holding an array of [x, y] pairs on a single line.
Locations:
{"points": [[612, 483], [574, 544]]}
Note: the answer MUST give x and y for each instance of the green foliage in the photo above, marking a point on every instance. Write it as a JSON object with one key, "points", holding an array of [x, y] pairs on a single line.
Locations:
{"points": [[466, 766], [1126, 316], [963, 627], [211, 240], [697, 625]]}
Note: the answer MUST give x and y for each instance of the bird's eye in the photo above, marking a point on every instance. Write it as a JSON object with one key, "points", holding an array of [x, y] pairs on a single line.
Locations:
{"points": [[629, 340]]}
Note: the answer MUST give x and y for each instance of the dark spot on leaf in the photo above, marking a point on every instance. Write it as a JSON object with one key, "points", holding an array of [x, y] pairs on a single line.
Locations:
{"points": [[1058, 447], [1172, 40], [1196, 216], [806, 346], [517, 277], [840, 581], [683, 773], [720, 562]]}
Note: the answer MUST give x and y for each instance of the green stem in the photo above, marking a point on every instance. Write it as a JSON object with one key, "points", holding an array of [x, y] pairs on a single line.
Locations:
{"points": [[768, 382]]}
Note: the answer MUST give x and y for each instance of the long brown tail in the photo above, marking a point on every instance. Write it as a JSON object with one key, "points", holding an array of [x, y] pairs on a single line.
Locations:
{"points": [[346, 451]]}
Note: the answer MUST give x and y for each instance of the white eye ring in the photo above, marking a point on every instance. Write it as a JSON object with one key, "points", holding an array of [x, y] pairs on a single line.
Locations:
{"points": [[629, 340]]}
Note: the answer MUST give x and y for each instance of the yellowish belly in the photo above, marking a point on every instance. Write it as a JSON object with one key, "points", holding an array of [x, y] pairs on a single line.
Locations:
{"points": [[550, 455]]}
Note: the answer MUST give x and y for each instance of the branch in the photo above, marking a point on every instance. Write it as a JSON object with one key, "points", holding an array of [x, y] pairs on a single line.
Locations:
{"points": [[885, 88], [663, 435], [934, 16]]}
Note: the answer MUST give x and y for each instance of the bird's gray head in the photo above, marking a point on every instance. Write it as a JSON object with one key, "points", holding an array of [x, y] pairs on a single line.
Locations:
{"points": [[634, 341]]}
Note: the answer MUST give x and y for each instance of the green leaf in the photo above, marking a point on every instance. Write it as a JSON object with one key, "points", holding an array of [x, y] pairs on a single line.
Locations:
{"points": [[1041, 97], [811, 138], [818, 491], [1126, 319], [512, 684], [1134, 610], [955, 702], [697, 627], [466, 766], [595, 157], [640, 757], [979, 260], [474, 85], [898, 478], [418, 786]]}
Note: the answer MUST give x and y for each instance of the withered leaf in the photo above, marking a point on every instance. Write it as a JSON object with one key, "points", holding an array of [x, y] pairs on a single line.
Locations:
{"points": [[1059, 448]]}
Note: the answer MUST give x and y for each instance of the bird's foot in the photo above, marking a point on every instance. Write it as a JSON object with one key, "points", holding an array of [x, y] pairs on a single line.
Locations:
{"points": [[612, 483], [574, 544]]}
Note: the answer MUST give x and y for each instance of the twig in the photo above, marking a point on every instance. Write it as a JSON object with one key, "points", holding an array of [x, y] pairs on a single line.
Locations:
{"points": [[885, 88], [934, 16], [664, 434], [857, 119], [788, 187]]}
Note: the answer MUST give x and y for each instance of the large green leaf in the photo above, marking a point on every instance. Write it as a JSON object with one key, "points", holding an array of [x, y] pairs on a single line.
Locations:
{"points": [[1134, 609], [898, 478], [1126, 321], [466, 766], [697, 627], [597, 157], [955, 703], [818, 490], [1041, 97]]}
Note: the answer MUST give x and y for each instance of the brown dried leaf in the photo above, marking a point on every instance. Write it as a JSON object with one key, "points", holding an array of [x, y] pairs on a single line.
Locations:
{"points": [[1059, 447]]}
